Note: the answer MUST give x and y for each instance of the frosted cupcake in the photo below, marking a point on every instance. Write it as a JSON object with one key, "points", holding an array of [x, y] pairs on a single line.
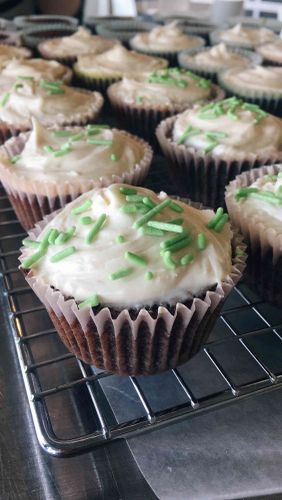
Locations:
{"points": [[44, 169], [244, 37], [36, 69], [271, 52], [134, 291], [208, 146], [141, 103], [7, 52], [99, 71], [254, 201], [258, 84], [165, 41], [209, 61]]}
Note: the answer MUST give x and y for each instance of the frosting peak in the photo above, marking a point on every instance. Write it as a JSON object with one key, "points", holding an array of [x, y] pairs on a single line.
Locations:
{"points": [[165, 38]]}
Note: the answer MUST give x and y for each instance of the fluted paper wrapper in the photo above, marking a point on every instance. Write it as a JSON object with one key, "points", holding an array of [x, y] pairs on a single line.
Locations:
{"points": [[33, 200], [264, 265], [215, 38], [143, 119], [136, 342], [276, 60], [35, 36], [203, 177], [124, 30], [268, 100], [170, 55], [208, 71]]}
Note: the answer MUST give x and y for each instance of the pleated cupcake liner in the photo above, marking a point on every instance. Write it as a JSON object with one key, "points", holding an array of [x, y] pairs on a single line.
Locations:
{"points": [[35, 37], [268, 60], [123, 30], [143, 120], [208, 72], [264, 265], [268, 100], [32, 200], [136, 341], [170, 55], [201, 177], [215, 38], [30, 21], [10, 38]]}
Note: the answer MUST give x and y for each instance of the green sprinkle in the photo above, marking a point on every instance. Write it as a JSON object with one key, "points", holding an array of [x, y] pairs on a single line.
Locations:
{"points": [[186, 259], [154, 211], [55, 91], [96, 126], [120, 239], [114, 157], [31, 78], [264, 196], [45, 240], [171, 241], [48, 149], [149, 275], [211, 224], [183, 243], [175, 207], [221, 223], [148, 202], [121, 273], [134, 198], [30, 243], [85, 220], [166, 226], [201, 241], [32, 259], [129, 208], [53, 236], [96, 228], [151, 231], [14, 159], [244, 192], [63, 151], [93, 132], [188, 132], [5, 99], [100, 142], [176, 221], [62, 133], [168, 260], [82, 208], [136, 259], [127, 190], [139, 99], [142, 208], [63, 254], [17, 85], [76, 137], [64, 237], [92, 301]]}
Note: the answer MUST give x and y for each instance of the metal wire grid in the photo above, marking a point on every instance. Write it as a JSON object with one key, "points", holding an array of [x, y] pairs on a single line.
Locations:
{"points": [[244, 357]]}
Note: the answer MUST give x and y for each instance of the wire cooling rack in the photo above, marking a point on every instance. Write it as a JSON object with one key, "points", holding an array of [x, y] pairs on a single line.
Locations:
{"points": [[76, 407]]}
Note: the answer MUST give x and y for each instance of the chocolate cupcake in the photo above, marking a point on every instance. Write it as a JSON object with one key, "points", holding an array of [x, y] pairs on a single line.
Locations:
{"points": [[141, 103], [254, 202], [44, 169], [271, 52], [208, 146], [244, 37], [129, 288]]}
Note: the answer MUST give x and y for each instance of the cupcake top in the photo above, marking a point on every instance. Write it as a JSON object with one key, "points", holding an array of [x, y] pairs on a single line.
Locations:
{"points": [[118, 61], [49, 102], [81, 42], [229, 128], [259, 78], [246, 36], [264, 199], [36, 68], [7, 52], [121, 246], [271, 51], [166, 38], [218, 57], [173, 86], [93, 153]]}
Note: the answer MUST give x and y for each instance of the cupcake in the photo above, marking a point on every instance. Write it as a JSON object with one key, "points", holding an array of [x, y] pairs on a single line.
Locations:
{"points": [[68, 48], [123, 29], [133, 291], [52, 103], [23, 22], [208, 146], [254, 202], [165, 41], [8, 52], [35, 68], [44, 169], [209, 61], [99, 71], [258, 84], [33, 36], [244, 37], [141, 103], [271, 52]]}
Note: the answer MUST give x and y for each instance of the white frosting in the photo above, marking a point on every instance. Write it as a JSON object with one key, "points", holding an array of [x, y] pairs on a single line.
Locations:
{"points": [[36, 68], [88, 270], [218, 57], [261, 78], [243, 135], [247, 36], [83, 161], [30, 100], [81, 42], [7, 52], [166, 38], [272, 51], [140, 91], [117, 62]]}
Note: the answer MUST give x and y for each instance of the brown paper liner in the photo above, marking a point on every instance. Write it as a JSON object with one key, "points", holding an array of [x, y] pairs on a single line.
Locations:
{"points": [[143, 120], [31, 201], [136, 342], [203, 177], [264, 265]]}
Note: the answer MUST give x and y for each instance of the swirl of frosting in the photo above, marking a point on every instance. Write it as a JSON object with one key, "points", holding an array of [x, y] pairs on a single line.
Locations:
{"points": [[271, 51], [117, 62], [173, 86], [247, 36], [218, 57], [36, 68], [164, 38], [81, 42], [49, 102], [116, 254], [261, 78], [229, 128]]}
